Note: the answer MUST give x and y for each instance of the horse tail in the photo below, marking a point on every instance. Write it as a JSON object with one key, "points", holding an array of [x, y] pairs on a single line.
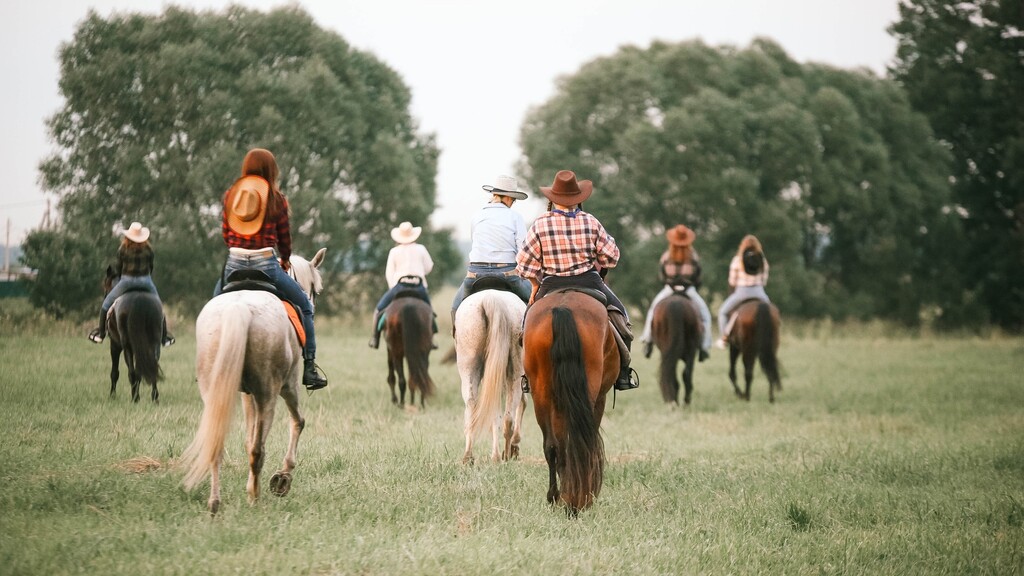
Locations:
{"points": [[497, 364], [220, 380], [145, 332], [767, 342], [416, 338], [584, 449]]}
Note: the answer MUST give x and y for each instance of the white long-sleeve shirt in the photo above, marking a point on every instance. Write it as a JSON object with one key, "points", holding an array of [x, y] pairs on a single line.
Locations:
{"points": [[408, 260]]}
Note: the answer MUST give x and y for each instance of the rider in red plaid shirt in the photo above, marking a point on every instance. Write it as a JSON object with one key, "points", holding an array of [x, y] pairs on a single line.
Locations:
{"points": [[568, 247]]}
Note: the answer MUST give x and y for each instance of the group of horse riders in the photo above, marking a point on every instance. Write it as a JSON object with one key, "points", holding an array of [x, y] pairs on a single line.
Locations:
{"points": [[565, 246]]}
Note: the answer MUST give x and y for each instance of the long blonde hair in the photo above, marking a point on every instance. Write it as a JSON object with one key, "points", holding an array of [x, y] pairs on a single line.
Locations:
{"points": [[749, 241]]}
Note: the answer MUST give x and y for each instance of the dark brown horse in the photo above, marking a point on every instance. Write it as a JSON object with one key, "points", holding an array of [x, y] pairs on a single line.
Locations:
{"points": [[135, 327], [571, 361], [676, 330], [408, 335], [755, 336]]}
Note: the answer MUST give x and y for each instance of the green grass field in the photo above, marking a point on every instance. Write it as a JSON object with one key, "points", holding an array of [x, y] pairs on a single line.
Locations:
{"points": [[881, 456]]}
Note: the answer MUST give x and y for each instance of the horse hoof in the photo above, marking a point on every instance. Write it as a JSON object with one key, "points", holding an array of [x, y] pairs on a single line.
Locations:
{"points": [[214, 506], [515, 453], [280, 483], [467, 460]]}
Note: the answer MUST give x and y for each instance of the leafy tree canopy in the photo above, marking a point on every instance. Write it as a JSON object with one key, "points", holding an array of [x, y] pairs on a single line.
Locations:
{"points": [[841, 181], [962, 65], [160, 109]]}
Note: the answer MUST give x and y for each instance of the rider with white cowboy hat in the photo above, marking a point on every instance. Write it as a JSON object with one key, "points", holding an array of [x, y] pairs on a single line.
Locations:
{"points": [[497, 234], [567, 247], [135, 271], [407, 268]]}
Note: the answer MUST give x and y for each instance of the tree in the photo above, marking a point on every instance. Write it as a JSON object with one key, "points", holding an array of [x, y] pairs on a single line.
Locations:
{"points": [[832, 170], [159, 111], [961, 65]]}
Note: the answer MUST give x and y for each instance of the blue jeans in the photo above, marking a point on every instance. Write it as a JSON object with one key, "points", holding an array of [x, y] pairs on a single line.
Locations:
{"points": [[521, 286], [738, 296], [284, 283], [127, 284]]}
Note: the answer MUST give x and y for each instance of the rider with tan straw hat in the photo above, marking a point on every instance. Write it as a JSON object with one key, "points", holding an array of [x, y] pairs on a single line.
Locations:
{"points": [[497, 233], [567, 247], [134, 269], [407, 268], [679, 269], [255, 223]]}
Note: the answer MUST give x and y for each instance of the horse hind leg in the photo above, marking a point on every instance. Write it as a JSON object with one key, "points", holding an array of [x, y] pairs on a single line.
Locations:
{"points": [[734, 354], [133, 376], [115, 367], [281, 481], [264, 417]]}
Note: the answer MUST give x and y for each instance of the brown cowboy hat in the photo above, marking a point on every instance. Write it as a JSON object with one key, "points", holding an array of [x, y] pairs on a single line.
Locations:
{"points": [[246, 204], [680, 235], [565, 190]]}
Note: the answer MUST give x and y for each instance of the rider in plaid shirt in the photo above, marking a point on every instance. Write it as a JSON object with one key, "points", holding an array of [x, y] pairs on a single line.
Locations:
{"points": [[568, 247]]}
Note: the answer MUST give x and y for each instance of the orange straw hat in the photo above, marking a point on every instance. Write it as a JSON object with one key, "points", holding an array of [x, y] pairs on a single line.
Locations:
{"points": [[246, 204], [680, 235]]}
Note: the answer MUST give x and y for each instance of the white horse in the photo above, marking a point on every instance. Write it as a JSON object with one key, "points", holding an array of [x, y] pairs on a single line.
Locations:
{"points": [[246, 347], [488, 344]]}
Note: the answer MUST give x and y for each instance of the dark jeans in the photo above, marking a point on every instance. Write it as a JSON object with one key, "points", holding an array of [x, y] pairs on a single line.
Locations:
{"points": [[284, 283], [420, 290], [125, 284]]}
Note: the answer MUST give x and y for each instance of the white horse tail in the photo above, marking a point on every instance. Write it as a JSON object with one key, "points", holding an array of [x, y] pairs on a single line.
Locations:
{"points": [[220, 380], [497, 365]]}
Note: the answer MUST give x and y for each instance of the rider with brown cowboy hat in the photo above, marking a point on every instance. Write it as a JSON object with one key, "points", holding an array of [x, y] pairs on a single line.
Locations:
{"points": [[679, 269], [567, 247]]}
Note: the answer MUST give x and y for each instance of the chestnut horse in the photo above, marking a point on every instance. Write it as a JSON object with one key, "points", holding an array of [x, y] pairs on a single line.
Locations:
{"points": [[676, 329], [571, 361], [755, 335], [408, 332], [246, 348]]}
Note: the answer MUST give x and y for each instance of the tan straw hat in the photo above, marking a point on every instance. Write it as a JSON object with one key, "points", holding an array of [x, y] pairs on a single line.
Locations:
{"points": [[246, 204], [137, 233], [406, 233]]}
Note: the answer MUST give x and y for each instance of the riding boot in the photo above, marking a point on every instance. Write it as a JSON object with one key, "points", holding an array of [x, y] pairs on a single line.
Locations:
{"points": [[433, 342], [311, 378], [168, 338], [453, 324], [375, 338], [628, 379], [98, 334], [703, 355]]}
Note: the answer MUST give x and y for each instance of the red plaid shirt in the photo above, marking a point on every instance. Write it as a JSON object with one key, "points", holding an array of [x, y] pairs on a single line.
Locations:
{"points": [[559, 245], [273, 234]]}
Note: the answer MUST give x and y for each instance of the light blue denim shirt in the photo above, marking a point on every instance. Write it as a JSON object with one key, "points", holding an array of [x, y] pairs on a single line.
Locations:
{"points": [[498, 232]]}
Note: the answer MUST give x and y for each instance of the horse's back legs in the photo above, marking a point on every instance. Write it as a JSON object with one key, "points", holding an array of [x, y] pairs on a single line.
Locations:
{"points": [[734, 354]]}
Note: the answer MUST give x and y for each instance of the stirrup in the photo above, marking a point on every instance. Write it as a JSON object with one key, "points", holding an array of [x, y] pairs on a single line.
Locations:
{"points": [[525, 383], [168, 341], [95, 336], [631, 381]]}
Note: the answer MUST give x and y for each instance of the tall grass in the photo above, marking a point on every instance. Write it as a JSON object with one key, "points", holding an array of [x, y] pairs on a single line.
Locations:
{"points": [[881, 456]]}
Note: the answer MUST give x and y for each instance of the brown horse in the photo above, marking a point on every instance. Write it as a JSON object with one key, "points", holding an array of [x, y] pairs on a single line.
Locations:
{"points": [[676, 330], [755, 335], [408, 335], [571, 361]]}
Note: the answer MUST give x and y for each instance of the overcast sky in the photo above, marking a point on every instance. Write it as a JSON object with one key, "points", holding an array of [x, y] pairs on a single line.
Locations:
{"points": [[474, 66]]}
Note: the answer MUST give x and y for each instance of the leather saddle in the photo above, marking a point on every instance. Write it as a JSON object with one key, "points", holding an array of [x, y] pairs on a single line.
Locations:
{"points": [[490, 282], [258, 280]]}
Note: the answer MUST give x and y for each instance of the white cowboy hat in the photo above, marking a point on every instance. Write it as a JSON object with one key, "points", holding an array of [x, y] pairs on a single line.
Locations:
{"points": [[406, 233], [506, 186], [136, 233]]}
